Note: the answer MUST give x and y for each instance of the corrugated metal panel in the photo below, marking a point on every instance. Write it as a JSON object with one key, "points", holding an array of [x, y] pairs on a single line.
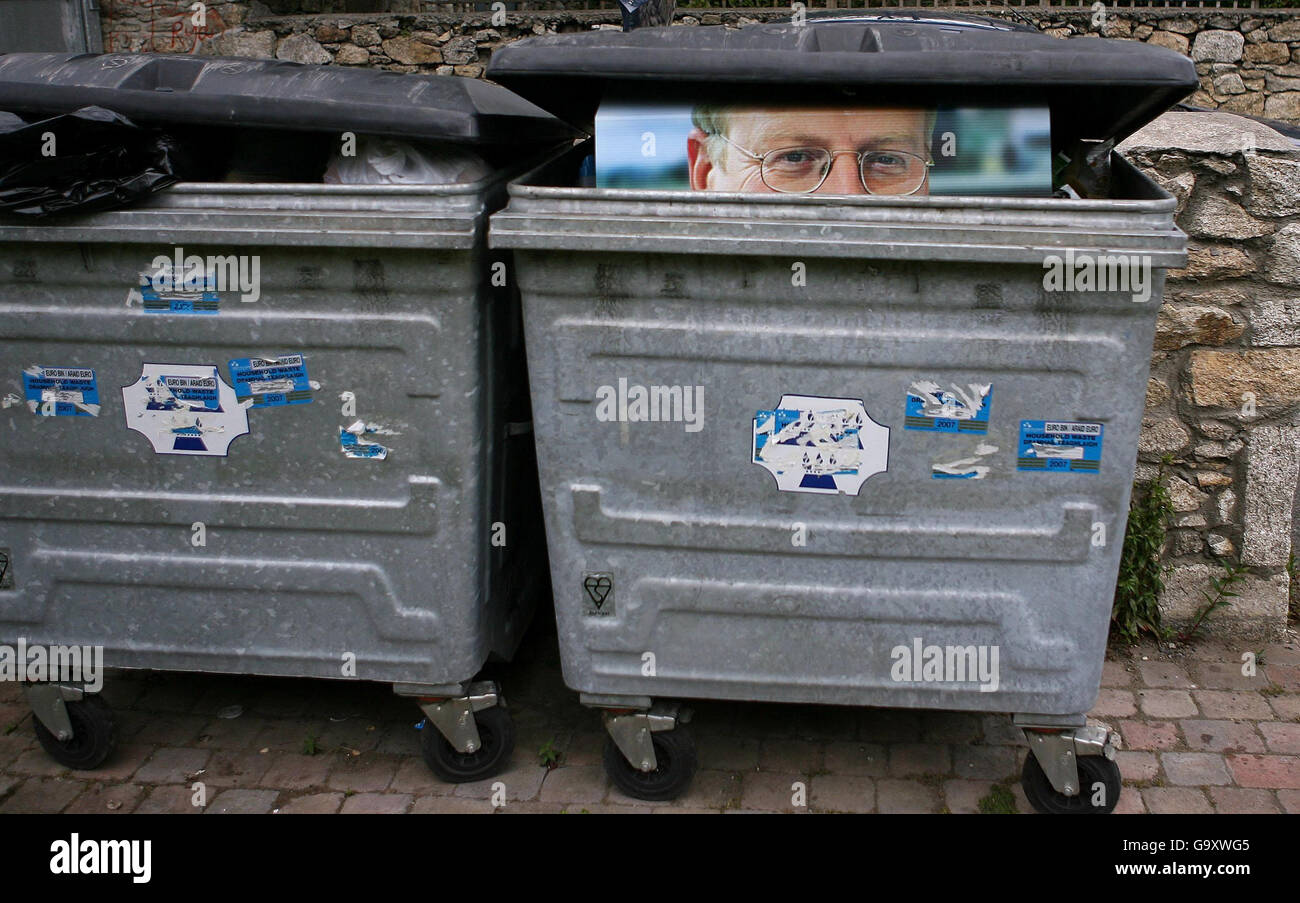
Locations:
{"points": [[50, 25]]}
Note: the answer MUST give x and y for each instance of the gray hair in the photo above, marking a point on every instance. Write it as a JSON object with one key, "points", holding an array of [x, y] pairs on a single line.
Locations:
{"points": [[714, 120]]}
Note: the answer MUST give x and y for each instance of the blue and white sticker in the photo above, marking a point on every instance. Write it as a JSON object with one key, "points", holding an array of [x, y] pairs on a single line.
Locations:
{"points": [[1060, 446], [271, 382], [956, 409], [61, 391], [963, 470], [356, 441], [184, 409], [971, 466], [822, 445], [195, 295]]}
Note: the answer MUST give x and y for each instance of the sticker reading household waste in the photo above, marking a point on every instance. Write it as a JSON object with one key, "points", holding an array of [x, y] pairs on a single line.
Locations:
{"points": [[815, 444], [598, 591], [271, 382], [957, 409], [61, 391], [195, 294], [354, 443], [184, 409], [1059, 446]]}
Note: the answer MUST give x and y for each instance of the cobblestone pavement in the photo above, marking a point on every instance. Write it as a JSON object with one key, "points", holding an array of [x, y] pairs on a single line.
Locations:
{"points": [[1198, 736]]}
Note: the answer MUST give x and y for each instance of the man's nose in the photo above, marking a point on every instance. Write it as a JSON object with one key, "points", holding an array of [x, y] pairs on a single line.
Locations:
{"points": [[843, 177]]}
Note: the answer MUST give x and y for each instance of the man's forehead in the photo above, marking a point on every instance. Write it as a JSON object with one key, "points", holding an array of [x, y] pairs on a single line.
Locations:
{"points": [[847, 122]]}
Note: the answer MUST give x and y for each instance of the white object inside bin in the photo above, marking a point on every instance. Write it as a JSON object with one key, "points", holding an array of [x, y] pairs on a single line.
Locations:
{"points": [[388, 161]]}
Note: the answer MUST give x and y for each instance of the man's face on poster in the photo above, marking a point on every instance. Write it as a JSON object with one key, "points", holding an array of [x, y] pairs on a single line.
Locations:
{"points": [[801, 150]]}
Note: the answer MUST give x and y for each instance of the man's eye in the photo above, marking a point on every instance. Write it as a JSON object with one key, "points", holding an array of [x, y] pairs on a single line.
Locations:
{"points": [[795, 157], [884, 161]]}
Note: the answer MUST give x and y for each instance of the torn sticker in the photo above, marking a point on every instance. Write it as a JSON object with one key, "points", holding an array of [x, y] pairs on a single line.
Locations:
{"points": [[968, 468], [184, 409], [272, 381], [1060, 446], [193, 296], [957, 409], [354, 444], [823, 445], [61, 391], [373, 429]]}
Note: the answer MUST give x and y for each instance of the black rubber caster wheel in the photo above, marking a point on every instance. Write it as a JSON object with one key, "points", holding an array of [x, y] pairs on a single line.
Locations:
{"points": [[1099, 782], [676, 761], [496, 733], [94, 735]]}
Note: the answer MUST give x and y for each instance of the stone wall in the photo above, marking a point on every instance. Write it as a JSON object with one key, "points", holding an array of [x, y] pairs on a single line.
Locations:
{"points": [[1248, 60], [165, 26], [1223, 400]]}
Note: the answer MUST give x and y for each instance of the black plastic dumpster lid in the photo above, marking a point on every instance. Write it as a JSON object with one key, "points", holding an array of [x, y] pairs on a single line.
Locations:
{"points": [[1096, 88], [163, 89]]}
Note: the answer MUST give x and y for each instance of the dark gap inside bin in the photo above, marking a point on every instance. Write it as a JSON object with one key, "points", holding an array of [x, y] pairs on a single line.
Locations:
{"points": [[572, 170], [278, 156], [1069, 144], [129, 125]]}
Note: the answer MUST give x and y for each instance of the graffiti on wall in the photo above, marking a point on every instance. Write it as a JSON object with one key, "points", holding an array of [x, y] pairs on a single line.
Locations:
{"points": [[162, 26]]}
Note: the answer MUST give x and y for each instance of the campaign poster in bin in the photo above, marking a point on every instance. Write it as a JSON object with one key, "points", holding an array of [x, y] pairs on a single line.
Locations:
{"points": [[859, 150]]}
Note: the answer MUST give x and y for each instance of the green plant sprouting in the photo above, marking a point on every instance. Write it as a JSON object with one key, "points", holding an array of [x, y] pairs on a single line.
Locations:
{"points": [[1136, 610], [1221, 597]]}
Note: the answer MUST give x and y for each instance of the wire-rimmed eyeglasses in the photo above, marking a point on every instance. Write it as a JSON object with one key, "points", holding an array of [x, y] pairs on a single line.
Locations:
{"points": [[802, 169]]}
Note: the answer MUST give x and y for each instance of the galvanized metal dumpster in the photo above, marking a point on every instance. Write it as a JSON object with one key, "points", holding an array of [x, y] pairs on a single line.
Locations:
{"points": [[757, 478], [322, 472]]}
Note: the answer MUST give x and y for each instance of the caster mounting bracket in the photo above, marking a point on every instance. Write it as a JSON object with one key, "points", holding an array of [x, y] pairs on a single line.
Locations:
{"points": [[1058, 751], [48, 706], [454, 717], [631, 732]]}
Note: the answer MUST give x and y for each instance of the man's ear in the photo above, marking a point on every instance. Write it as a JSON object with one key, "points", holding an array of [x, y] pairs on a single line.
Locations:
{"points": [[698, 163]]}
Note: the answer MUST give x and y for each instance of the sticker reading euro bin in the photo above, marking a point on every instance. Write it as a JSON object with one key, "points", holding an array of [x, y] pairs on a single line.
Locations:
{"points": [[196, 295], [184, 409], [1059, 446], [271, 382], [820, 445], [61, 391], [956, 409]]}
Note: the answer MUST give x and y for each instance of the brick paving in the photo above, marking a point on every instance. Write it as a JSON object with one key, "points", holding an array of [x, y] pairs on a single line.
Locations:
{"points": [[1197, 736]]}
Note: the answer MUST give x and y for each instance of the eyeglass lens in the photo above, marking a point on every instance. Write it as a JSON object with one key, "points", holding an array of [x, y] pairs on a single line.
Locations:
{"points": [[803, 169]]}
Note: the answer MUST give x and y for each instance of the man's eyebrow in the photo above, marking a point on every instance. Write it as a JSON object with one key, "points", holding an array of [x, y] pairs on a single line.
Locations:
{"points": [[791, 140], [778, 139], [889, 140]]}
